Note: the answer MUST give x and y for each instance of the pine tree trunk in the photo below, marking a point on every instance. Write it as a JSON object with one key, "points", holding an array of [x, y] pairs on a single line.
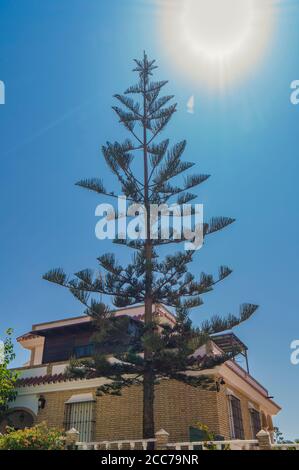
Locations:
{"points": [[148, 378], [148, 405]]}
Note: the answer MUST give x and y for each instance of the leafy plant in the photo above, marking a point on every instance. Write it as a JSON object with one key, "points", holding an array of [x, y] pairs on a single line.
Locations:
{"points": [[39, 437], [209, 436], [8, 377]]}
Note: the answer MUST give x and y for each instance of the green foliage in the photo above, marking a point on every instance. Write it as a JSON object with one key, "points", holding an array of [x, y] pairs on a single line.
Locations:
{"points": [[278, 436], [209, 437], [280, 439], [171, 348], [8, 377], [39, 437]]}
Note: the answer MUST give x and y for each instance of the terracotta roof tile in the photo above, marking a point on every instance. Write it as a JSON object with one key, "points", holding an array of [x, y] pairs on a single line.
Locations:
{"points": [[42, 379], [47, 379]]}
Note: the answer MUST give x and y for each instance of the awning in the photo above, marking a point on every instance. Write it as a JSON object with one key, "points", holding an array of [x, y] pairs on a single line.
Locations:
{"points": [[83, 397]]}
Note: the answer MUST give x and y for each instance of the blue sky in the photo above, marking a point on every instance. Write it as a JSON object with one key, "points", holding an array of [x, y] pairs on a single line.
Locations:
{"points": [[61, 62]]}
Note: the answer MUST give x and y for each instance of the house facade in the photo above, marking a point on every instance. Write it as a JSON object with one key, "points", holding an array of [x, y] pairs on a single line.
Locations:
{"points": [[237, 409]]}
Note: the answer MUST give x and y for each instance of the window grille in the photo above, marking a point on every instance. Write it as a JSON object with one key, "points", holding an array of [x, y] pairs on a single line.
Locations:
{"points": [[81, 417], [255, 422], [236, 417]]}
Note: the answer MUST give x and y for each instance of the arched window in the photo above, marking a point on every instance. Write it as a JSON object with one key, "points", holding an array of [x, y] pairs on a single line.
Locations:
{"points": [[17, 419]]}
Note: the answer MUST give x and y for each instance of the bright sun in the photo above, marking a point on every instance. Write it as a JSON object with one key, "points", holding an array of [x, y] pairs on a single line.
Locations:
{"points": [[217, 27], [217, 41]]}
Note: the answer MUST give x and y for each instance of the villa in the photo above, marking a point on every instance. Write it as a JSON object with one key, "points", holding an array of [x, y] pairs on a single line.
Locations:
{"points": [[237, 409]]}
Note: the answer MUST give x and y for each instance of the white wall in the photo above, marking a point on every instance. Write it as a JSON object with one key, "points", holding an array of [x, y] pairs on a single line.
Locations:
{"points": [[26, 401]]}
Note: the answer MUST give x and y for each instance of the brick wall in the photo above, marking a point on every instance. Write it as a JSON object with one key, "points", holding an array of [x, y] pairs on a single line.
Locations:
{"points": [[223, 412], [177, 407], [53, 413]]}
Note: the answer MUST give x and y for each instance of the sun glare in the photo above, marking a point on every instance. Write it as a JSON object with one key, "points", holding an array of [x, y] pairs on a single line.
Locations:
{"points": [[216, 41]]}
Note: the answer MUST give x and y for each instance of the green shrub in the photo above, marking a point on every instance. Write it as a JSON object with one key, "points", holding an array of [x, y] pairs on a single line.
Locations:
{"points": [[39, 437]]}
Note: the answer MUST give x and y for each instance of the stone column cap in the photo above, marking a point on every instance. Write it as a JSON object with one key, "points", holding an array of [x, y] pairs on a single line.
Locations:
{"points": [[162, 432], [72, 431], [262, 433]]}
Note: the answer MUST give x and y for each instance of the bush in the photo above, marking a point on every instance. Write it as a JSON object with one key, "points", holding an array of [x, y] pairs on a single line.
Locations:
{"points": [[39, 437]]}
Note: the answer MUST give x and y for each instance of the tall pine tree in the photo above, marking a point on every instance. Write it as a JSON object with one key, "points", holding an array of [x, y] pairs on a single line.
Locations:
{"points": [[148, 352]]}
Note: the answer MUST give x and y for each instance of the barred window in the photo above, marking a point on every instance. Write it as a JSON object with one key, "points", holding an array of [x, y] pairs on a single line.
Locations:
{"points": [[81, 417], [255, 422], [236, 416]]}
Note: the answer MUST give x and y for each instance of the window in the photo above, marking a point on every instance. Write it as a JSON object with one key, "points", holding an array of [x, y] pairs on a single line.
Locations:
{"points": [[84, 351], [255, 420], [79, 415], [236, 418]]}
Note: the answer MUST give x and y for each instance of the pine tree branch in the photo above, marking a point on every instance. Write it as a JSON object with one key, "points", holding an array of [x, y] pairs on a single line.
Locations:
{"points": [[93, 184], [218, 324]]}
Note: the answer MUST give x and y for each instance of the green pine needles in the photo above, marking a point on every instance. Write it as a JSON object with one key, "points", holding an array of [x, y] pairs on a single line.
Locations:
{"points": [[147, 352]]}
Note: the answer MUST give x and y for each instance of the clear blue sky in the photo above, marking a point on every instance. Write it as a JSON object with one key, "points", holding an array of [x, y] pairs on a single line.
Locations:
{"points": [[61, 61]]}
